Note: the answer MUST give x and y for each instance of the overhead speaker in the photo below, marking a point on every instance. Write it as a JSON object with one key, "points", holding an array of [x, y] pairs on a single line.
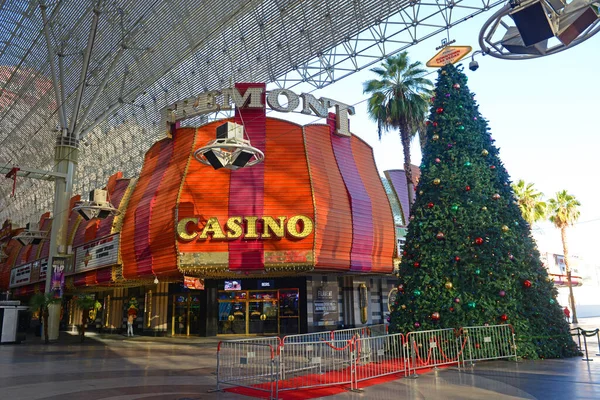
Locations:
{"points": [[213, 159], [533, 23], [230, 130], [575, 19], [242, 158], [513, 42]]}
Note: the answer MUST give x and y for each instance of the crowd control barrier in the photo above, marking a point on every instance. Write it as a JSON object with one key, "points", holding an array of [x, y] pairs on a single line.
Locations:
{"points": [[489, 342], [379, 356], [351, 356], [430, 349], [247, 364], [316, 364]]}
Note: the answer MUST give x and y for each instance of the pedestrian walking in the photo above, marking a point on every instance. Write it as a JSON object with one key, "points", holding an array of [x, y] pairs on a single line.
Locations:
{"points": [[567, 314]]}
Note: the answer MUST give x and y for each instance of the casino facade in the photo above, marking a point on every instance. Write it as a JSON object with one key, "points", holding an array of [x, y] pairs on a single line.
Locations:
{"points": [[307, 240]]}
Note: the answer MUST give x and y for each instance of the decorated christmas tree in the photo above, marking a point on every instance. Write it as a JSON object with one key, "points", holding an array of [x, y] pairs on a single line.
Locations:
{"points": [[469, 257]]}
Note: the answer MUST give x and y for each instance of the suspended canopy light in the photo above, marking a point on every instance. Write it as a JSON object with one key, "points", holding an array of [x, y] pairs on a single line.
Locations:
{"points": [[229, 150], [97, 206], [536, 28], [31, 235]]}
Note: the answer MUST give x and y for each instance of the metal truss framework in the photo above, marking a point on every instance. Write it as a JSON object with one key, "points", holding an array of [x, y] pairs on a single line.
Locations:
{"points": [[146, 54]]}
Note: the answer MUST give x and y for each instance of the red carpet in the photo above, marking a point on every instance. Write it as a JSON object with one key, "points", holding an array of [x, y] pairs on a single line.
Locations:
{"points": [[313, 393]]}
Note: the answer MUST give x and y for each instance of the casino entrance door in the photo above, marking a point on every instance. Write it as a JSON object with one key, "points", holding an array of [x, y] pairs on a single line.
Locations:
{"points": [[186, 314], [258, 312]]}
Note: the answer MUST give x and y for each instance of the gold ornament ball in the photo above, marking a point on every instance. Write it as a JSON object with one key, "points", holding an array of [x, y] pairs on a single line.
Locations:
{"points": [[444, 73], [403, 307], [448, 285], [484, 208], [504, 228], [420, 192], [437, 181], [435, 137], [484, 152], [496, 196]]}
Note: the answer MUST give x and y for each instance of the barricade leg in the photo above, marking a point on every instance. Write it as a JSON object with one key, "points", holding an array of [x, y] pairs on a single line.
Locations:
{"points": [[413, 358], [598, 338]]}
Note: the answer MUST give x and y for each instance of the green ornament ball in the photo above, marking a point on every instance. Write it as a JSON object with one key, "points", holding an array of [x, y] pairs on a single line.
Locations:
{"points": [[417, 292], [477, 271], [454, 207], [471, 304], [552, 301], [461, 128], [467, 164]]}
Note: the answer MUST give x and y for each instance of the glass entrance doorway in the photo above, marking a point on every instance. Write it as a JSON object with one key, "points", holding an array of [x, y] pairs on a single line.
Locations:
{"points": [[258, 312], [186, 314]]}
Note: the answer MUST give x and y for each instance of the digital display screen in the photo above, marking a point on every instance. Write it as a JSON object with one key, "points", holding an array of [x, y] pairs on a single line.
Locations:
{"points": [[233, 285]]}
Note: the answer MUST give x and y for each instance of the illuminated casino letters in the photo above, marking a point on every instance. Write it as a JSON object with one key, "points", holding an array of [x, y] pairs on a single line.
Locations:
{"points": [[218, 100], [298, 227]]}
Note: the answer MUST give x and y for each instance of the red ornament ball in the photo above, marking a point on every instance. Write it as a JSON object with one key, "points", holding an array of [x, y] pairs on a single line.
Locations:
{"points": [[435, 316], [527, 283], [430, 205], [439, 110], [416, 264], [457, 258], [427, 123], [437, 160], [504, 317], [502, 293], [435, 124], [405, 253], [451, 309], [492, 167], [468, 188], [456, 86], [440, 235], [457, 300], [478, 240]]}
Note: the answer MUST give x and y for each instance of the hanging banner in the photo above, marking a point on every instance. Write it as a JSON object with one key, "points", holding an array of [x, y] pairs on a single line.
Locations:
{"points": [[191, 282], [58, 276]]}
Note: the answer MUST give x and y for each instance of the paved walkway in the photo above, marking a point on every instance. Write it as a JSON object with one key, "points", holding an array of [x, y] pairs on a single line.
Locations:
{"points": [[120, 368]]}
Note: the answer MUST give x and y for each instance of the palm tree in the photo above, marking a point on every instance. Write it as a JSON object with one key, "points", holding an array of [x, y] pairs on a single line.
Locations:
{"points": [[399, 100], [530, 202], [85, 304], [564, 212], [42, 302]]}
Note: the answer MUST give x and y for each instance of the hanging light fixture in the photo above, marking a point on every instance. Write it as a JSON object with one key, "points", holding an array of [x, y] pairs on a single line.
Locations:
{"points": [[229, 150], [97, 206]]}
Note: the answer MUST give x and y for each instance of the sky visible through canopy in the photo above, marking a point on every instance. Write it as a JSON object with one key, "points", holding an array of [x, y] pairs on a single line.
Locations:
{"points": [[544, 115]]}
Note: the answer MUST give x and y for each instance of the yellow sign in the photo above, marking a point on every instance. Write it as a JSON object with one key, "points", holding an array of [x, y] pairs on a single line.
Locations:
{"points": [[298, 227], [449, 55]]}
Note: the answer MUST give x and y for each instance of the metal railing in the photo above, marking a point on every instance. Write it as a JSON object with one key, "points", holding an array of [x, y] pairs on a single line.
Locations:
{"points": [[580, 332], [314, 360], [316, 364], [247, 364], [489, 343], [433, 348], [379, 356]]}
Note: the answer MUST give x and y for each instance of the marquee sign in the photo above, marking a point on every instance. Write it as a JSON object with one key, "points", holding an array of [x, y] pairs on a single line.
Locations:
{"points": [[225, 99], [20, 276], [298, 227], [97, 254]]}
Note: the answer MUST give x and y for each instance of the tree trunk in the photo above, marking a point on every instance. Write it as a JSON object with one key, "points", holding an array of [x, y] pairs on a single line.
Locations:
{"points": [[45, 314], [85, 315], [405, 139], [563, 234]]}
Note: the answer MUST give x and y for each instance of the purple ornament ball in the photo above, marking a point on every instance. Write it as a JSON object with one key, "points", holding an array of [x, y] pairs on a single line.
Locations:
{"points": [[449, 145], [502, 293], [417, 324]]}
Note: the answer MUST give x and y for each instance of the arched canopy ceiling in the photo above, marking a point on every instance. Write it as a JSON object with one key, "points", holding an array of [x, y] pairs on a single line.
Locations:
{"points": [[146, 54]]}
